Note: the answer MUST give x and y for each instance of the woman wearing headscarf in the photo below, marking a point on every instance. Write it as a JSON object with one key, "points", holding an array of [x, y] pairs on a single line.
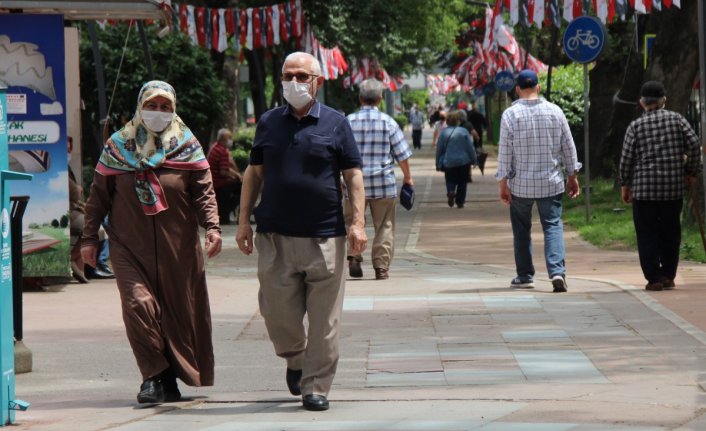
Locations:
{"points": [[154, 181]]}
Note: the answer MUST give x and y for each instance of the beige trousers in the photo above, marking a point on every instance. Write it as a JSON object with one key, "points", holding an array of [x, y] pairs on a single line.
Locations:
{"points": [[298, 277], [383, 213]]}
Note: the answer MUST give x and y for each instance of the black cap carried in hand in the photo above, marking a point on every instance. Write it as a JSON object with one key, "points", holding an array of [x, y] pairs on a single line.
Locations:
{"points": [[652, 89], [407, 196]]}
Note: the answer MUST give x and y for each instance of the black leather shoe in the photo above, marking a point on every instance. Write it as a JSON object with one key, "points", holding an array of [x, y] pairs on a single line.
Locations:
{"points": [[151, 391], [315, 403], [171, 389], [102, 271], [294, 378]]}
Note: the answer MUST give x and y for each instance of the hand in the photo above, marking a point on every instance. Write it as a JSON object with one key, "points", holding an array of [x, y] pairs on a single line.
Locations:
{"points": [[505, 193], [626, 194], [408, 181], [89, 254], [690, 180], [357, 240], [243, 237], [213, 244], [573, 187]]}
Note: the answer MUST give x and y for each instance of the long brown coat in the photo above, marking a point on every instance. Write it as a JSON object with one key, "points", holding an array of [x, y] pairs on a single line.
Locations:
{"points": [[159, 269]]}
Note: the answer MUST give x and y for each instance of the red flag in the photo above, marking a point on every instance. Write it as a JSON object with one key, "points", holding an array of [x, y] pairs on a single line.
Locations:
{"points": [[214, 28], [648, 5], [243, 26], [201, 25], [270, 32], [256, 28], [283, 18], [611, 10], [578, 8], [230, 22], [632, 4], [183, 18], [296, 17], [667, 3]]}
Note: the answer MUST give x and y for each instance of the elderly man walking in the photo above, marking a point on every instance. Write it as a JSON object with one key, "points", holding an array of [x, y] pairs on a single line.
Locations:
{"points": [[299, 153], [381, 142], [535, 154], [661, 154]]}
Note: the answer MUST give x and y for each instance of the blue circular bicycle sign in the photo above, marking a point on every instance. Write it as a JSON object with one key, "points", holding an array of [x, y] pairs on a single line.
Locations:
{"points": [[505, 80], [584, 39]]}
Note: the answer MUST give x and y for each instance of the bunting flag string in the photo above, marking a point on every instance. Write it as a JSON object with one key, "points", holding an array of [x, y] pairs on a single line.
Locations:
{"points": [[550, 12]]}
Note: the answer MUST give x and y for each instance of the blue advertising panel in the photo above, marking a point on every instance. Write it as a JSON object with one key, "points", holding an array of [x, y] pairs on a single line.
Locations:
{"points": [[584, 39], [32, 66]]}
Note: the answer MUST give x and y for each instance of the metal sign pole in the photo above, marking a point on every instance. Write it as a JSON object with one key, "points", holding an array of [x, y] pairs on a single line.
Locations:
{"points": [[587, 170], [702, 80]]}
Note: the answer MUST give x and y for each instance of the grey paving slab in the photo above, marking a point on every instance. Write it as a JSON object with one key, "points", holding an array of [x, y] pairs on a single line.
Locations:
{"points": [[559, 365]]}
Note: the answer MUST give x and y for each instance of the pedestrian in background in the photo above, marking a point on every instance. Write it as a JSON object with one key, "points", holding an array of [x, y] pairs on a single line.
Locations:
{"points": [[536, 154], [661, 154], [439, 125], [417, 119], [153, 180], [298, 155], [381, 143], [227, 180], [454, 156]]}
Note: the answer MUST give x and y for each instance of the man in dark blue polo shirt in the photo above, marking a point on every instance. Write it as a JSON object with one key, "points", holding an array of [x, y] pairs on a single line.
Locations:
{"points": [[299, 154]]}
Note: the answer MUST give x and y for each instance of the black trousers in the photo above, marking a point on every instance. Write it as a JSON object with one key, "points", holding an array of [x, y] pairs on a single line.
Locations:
{"points": [[658, 229], [228, 199], [417, 138]]}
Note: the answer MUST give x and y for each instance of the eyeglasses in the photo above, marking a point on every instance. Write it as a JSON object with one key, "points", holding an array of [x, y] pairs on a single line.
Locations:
{"points": [[300, 77]]}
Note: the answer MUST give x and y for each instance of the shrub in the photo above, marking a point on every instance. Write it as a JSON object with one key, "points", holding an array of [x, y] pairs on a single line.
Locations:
{"points": [[241, 157], [243, 138], [401, 120]]}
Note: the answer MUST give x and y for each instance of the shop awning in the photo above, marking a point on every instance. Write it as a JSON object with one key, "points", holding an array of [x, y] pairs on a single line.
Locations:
{"points": [[91, 9]]}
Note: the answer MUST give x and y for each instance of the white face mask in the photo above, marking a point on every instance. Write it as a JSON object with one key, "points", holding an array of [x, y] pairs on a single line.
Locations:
{"points": [[157, 121], [296, 93]]}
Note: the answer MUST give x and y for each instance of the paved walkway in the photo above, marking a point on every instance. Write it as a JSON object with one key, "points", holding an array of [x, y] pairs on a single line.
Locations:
{"points": [[443, 345]]}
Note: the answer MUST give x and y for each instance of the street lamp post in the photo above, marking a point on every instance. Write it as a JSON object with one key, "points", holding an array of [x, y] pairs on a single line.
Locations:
{"points": [[702, 80]]}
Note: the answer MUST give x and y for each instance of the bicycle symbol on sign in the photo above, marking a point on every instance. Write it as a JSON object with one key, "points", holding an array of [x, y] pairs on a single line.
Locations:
{"points": [[585, 38]]}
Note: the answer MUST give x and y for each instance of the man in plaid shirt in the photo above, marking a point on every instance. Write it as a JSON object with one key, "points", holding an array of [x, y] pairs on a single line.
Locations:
{"points": [[536, 153], [380, 141], [660, 156]]}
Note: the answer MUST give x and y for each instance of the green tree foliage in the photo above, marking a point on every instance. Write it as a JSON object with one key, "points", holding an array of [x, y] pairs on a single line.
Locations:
{"points": [[201, 94], [401, 34], [567, 93], [418, 97]]}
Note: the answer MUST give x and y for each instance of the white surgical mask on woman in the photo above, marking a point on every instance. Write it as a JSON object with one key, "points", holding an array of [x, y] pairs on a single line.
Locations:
{"points": [[296, 93], [157, 121]]}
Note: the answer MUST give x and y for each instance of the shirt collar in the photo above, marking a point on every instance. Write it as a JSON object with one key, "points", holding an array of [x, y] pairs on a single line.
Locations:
{"points": [[314, 111]]}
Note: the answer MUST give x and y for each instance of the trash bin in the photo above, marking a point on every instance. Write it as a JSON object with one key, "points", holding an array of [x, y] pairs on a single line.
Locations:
{"points": [[19, 204]]}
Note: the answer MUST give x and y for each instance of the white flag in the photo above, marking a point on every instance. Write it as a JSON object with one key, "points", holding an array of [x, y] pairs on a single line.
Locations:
{"points": [[677, 3], [569, 10], [640, 6], [602, 12], [275, 24], [539, 13], [222, 34], [191, 20], [514, 11], [248, 38]]}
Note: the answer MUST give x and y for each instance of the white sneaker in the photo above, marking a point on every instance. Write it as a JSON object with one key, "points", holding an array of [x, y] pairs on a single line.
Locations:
{"points": [[559, 283], [519, 283]]}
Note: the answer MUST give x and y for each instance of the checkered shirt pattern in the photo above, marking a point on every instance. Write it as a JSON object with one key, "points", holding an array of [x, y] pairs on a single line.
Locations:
{"points": [[659, 149], [380, 141], [536, 150]]}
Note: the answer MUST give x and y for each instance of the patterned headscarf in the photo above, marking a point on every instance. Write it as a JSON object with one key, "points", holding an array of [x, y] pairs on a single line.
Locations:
{"points": [[136, 149]]}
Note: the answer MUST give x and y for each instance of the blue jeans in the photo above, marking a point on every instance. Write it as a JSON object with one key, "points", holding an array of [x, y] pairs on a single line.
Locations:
{"points": [[550, 217]]}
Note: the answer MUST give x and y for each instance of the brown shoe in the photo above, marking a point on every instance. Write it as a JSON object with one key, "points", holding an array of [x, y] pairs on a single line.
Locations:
{"points": [[667, 284], [354, 268], [655, 287], [381, 274]]}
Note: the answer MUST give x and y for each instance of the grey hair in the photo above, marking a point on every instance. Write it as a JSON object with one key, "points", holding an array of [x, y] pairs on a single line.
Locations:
{"points": [[463, 115], [221, 133], [315, 65], [371, 91], [653, 101]]}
